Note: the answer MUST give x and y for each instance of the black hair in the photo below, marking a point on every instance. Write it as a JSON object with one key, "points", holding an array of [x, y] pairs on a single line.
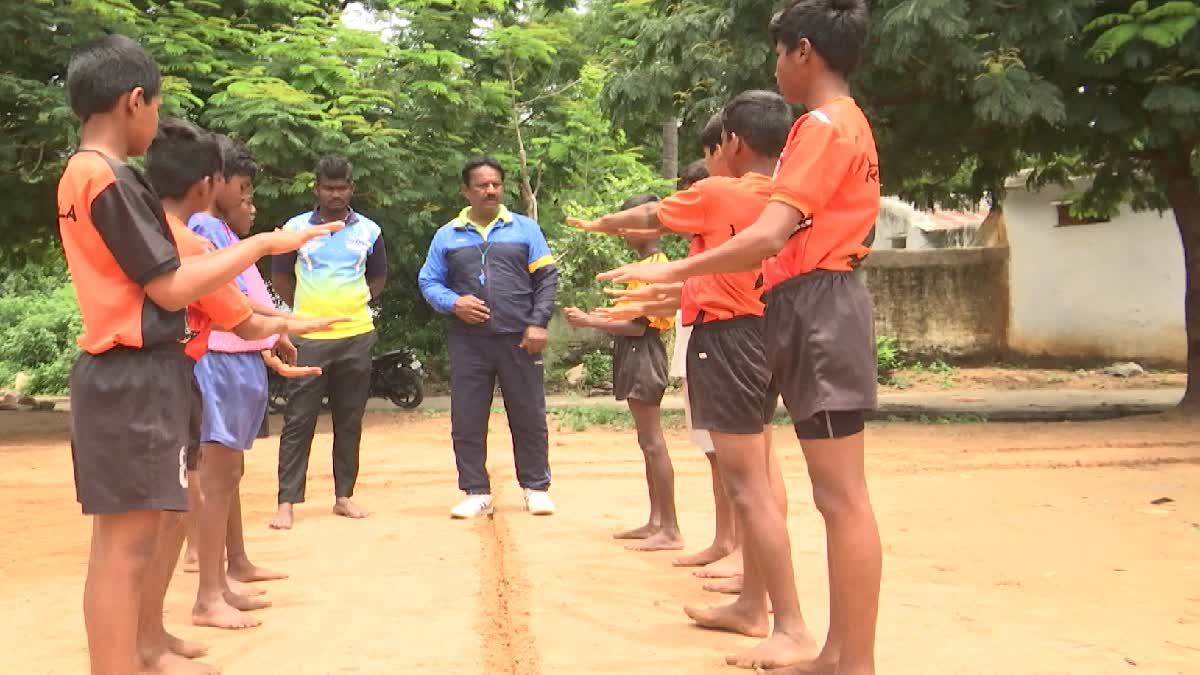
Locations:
{"points": [[334, 167], [638, 200], [693, 173], [236, 159], [837, 29], [710, 137], [105, 70], [760, 118], [181, 155], [477, 162]]}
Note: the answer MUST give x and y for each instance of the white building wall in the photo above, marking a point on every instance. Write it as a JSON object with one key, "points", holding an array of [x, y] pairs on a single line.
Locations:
{"points": [[1108, 290]]}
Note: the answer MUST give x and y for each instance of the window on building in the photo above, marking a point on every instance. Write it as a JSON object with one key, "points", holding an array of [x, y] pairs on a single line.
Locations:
{"points": [[1065, 219]]}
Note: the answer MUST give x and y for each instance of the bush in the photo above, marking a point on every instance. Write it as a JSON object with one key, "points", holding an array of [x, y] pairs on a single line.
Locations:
{"points": [[597, 368], [888, 357], [39, 321]]}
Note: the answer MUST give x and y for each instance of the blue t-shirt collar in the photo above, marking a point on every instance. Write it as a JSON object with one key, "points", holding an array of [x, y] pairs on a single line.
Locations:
{"points": [[315, 217]]}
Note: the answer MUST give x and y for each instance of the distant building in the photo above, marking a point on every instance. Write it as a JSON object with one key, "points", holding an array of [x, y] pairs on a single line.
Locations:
{"points": [[1111, 289], [1031, 281]]}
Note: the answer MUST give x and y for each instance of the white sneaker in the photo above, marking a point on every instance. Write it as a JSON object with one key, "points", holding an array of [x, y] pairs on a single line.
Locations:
{"points": [[473, 507], [538, 503]]}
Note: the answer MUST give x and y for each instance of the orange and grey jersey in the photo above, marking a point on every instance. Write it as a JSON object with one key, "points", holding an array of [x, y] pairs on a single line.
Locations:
{"points": [[116, 240]]}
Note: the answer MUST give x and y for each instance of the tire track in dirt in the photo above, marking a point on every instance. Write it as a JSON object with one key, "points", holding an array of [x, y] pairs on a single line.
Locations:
{"points": [[508, 645]]}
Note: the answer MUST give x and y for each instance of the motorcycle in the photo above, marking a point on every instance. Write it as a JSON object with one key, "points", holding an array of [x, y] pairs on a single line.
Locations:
{"points": [[396, 376]]}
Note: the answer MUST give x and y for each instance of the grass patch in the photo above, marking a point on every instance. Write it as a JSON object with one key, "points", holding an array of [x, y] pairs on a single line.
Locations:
{"points": [[580, 418]]}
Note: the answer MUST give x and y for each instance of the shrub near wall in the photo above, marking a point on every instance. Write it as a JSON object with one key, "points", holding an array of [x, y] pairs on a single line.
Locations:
{"points": [[39, 321]]}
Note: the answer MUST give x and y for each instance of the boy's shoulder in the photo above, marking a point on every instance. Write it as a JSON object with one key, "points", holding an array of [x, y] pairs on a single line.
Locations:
{"points": [[841, 116], [94, 172]]}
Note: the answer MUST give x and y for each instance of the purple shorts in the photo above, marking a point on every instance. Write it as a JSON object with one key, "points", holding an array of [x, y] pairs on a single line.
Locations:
{"points": [[234, 389]]}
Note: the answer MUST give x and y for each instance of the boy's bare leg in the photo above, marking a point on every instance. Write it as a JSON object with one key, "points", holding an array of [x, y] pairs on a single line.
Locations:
{"points": [[648, 419], [654, 522], [240, 568], [747, 479], [751, 608], [122, 549], [747, 615], [855, 557], [216, 606], [191, 561], [156, 653], [233, 539], [186, 648], [725, 542]]}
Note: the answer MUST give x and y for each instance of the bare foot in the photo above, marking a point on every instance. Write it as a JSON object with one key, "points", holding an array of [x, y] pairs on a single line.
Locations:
{"points": [[246, 571], [348, 509], [239, 588], [817, 667], [644, 532], [191, 563], [188, 649], [733, 618], [659, 541], [244, 603], [778, 651], [170, 663], [731, 586], [700, 558], [222, 614], [282, 519], [729, 566]]}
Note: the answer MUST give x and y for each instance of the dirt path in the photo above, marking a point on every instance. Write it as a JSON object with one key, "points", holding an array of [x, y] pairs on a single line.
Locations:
{"points": [[1008, 549]]}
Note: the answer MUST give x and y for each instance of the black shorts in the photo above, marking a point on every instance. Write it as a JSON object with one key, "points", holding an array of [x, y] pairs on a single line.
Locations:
{"points": [[820, 341], [640, 367], [729, 385], [135, 420]]}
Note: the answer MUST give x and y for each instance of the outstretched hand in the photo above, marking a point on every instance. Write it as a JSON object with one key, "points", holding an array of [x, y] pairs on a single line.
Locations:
{"points": [[280, 241], [653, 273], [646, 292], [296, 326], [585, 225]]}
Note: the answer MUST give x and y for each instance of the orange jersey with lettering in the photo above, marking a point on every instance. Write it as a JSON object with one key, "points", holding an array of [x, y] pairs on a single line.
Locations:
{"points": [[829, 172], [116, 240], [714, 210]]}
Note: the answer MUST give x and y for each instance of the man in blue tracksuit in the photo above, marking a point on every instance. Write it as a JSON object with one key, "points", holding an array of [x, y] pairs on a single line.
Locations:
{"points": [[491, 271]]}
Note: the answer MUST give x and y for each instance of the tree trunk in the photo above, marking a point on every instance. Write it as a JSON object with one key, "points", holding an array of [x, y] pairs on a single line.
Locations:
{"points": [[527, 193], [670, 148], [1183, 194]]}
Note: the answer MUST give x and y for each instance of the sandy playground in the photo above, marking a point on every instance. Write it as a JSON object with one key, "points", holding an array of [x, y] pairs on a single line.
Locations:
{"points": [[1007, 549]]}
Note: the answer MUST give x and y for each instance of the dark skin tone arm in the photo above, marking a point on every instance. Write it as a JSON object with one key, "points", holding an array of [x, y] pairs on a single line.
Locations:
{"points": [[285, 286], [766, 237], [643, 217], [580, 319], [197, 276], [376, 285]]}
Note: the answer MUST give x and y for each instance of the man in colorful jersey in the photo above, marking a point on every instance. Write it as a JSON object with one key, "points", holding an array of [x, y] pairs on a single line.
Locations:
{"points": [[336, 276], [491, 271]]}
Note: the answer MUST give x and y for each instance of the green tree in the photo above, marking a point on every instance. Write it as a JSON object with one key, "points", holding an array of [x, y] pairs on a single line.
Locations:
{"points": [[966, 94]]}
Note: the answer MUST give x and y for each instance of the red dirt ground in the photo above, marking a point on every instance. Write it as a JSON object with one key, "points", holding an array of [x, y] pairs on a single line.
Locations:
{"points": [[1008, 549]]}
